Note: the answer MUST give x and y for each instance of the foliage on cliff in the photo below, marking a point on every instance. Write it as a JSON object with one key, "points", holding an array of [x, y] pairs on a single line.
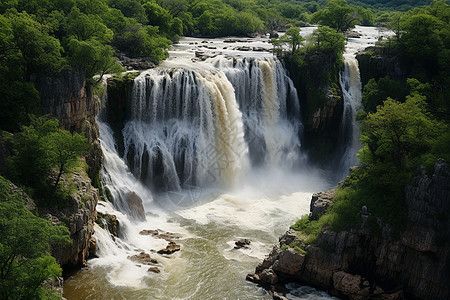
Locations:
{"points": [[314, 68], [41, 154], [398, 135], [25, 240]]}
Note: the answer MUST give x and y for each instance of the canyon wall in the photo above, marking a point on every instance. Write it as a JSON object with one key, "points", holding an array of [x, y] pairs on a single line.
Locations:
{"points": [[361, 264]]}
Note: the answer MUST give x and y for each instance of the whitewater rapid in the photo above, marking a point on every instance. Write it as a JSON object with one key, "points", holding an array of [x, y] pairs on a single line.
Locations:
{"points": [[213, 149]]}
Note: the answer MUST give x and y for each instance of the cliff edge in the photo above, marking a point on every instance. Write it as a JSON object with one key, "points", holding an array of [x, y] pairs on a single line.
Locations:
{"points": [[361, 264]]}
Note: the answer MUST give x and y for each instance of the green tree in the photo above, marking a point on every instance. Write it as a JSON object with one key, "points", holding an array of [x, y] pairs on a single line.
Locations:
{"points": [[42, 149], [336, 14], [293, 38], [328, 40], [64, 150], [18, 97], [138, 40], [25, 242], [30, 164], [40, 51], [94, 57], [375, 92], [84, 27], [398, 133]]}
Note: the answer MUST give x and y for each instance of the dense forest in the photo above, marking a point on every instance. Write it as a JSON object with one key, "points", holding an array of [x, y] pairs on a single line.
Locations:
{"points": [[404, 122]]}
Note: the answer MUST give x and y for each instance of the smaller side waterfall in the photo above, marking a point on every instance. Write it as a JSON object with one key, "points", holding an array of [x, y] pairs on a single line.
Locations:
{"points": [[349, 133]]}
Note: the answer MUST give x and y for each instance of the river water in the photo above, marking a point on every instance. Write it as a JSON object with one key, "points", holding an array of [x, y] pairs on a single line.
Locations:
{"points": [[212, 147]]}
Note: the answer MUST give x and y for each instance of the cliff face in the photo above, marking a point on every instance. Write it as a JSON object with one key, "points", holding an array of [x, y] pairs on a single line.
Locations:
{"points": [[359, 264], [316, 81], [69, 98], [376, 62], [79, 215]]}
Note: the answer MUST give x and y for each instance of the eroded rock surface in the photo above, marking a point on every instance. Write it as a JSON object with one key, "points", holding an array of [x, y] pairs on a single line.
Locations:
{"points": [[415, 264]]}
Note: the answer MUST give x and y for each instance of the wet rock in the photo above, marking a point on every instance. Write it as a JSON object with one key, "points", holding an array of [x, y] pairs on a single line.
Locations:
{"points": [[92, 248], [288, 237], [149, 232], [352, 34], [259, 49], [135, 206], [268, 276], [172, 247], [277, 296], [143, 258], [320, 202], [253, 278], [154, 270], [168, 236], [138, 63], [290, 262], [204, 55], [353, 286], [243, 48], [242, 243], [108, 222]]}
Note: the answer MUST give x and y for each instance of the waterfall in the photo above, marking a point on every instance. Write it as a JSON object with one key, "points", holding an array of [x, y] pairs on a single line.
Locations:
{"points": [[190, 128], [349, 143]]}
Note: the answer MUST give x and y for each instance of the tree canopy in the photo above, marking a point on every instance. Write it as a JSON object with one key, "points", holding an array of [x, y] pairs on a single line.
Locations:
{"points": [[337, 14], [40, 150], [25, 240]]}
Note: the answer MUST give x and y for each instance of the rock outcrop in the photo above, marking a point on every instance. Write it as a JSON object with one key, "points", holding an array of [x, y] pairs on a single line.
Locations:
{"points": [[376, 62], [68, 97], [360, 264], [320, 202], [79, 215], [322, 104]]}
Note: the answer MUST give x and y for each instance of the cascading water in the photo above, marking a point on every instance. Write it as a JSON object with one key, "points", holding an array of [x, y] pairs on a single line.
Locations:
{"points": [[196, 128], [352, 92], [349, 143], [220, 141]]}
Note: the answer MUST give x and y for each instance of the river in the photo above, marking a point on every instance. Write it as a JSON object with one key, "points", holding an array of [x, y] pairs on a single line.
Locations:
{"points": [[213, 148]]}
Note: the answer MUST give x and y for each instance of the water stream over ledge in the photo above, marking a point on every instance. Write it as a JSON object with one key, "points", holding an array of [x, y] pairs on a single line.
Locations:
{"points": [[224, 137]]}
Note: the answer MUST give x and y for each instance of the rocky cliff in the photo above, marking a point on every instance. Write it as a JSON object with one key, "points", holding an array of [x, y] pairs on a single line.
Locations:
{"points": [[377, 62], [360, 264], [68, 97], [317, 84]]}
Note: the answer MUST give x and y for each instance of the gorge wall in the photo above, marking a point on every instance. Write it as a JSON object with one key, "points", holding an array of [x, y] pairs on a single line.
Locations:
{"points": [[68, 97], [317, 83], [360, 264]]}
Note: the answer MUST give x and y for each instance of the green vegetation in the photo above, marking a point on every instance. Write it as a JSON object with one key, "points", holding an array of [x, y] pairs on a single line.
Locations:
{"points": [[41, 154], [404, 125], [25, 240], [337, 14]]}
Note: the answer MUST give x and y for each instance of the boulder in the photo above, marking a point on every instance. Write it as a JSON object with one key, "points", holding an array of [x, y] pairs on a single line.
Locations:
{"points": [[154, 270], [109, 221], [143, 258], [242, 243], [135, 206], [353, 286], [320, 203], [172, 247], [268, 276], [290, 262], [149, 232], [168, 236]]}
